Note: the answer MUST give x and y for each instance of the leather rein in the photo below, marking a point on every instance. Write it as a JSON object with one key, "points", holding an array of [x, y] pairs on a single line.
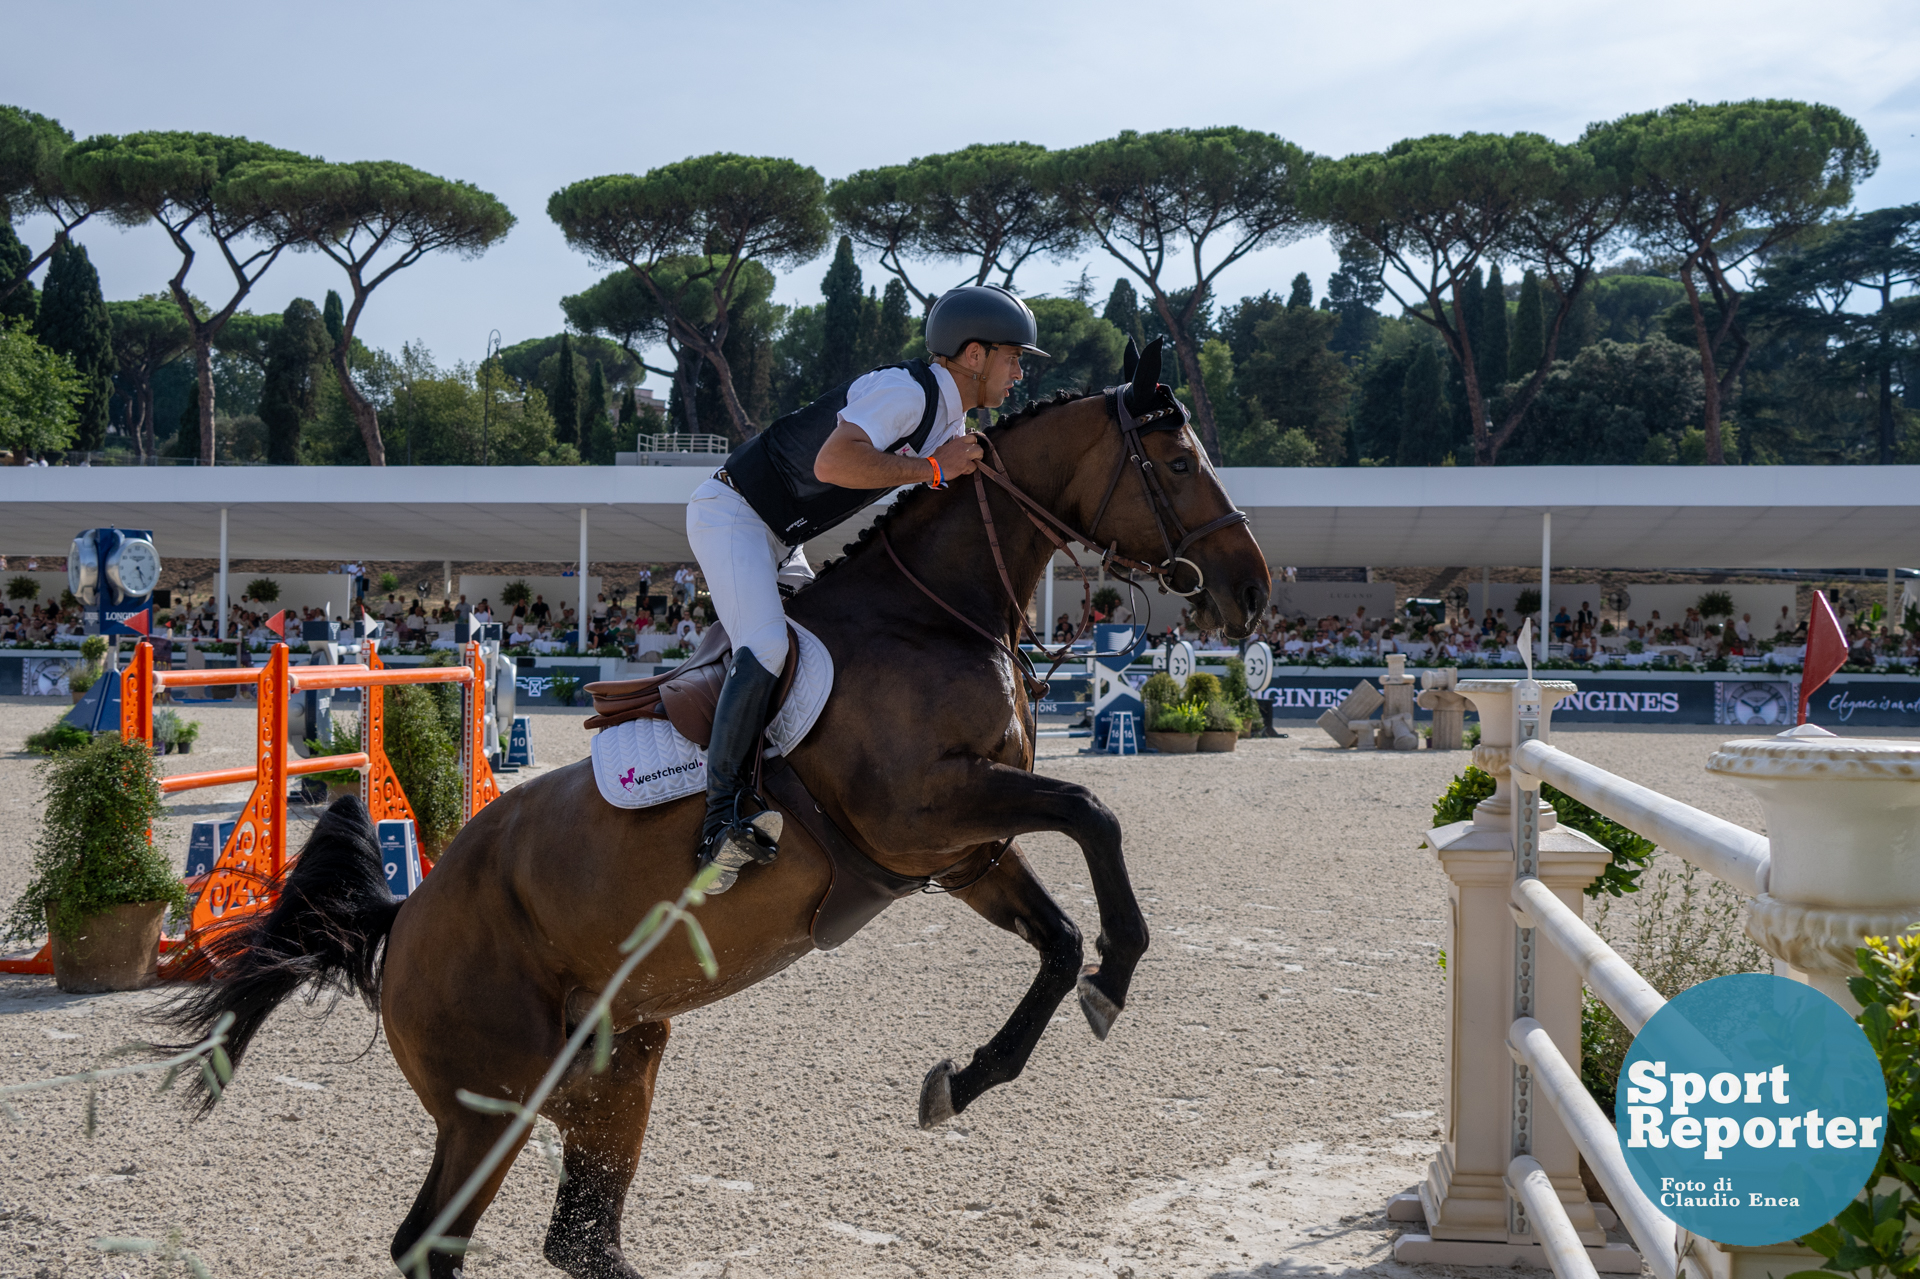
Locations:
{"points": [[1061, 534]]}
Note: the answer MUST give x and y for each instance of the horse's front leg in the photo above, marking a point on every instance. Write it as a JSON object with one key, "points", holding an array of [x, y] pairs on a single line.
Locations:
{"points": [[1010, 897], [977, 801]]}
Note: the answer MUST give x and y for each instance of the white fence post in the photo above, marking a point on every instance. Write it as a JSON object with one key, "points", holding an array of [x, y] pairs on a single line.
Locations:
{"points": [[1843, 822], [1465, 1198]]}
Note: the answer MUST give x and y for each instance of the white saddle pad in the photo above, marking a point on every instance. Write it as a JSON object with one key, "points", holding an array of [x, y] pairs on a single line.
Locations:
{"points": [[644, 762]]}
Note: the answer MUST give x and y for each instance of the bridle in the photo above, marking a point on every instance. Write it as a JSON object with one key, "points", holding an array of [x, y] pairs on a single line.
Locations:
{"points": [[1172, 415]]}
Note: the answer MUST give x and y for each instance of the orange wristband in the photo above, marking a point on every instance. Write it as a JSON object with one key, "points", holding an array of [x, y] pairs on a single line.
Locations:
{"points": [[939, 476]]}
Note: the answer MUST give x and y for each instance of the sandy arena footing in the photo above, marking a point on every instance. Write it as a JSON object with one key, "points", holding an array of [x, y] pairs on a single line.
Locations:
{"points": [[1275, 1077]]}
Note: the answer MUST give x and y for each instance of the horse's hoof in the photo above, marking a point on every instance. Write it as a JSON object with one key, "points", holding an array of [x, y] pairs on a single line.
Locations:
{"points": [[1099, 1009], [936, 1095]]}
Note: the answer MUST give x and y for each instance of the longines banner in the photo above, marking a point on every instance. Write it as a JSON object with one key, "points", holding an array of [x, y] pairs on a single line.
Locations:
{"points": [[1766, 703]]}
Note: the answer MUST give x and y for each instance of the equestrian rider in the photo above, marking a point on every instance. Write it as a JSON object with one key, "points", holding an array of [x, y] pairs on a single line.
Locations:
{"points": [[896, 426]]}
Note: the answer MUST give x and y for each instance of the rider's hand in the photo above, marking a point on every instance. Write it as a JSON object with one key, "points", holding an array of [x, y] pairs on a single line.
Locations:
{"points": [[958, 456]]}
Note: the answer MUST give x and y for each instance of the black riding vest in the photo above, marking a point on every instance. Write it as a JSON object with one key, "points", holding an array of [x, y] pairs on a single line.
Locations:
{"points": [[774, 469]]}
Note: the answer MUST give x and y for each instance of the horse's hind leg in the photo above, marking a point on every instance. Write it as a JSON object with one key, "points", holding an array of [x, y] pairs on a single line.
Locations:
{"points": [[603, 1118], [1012, 898], [464, 1140]]}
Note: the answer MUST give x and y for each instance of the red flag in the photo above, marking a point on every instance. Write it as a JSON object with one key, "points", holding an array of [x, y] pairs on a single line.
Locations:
{"points": [[1826, 650], [278, 623], [141, 621]]}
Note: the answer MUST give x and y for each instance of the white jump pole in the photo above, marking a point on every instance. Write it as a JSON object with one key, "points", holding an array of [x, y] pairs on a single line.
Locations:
{"points": [[220, 621], [1046, 619], [1546, 580], [580, 616]]}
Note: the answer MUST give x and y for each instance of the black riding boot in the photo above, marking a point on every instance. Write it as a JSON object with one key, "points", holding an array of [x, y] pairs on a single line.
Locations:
{"points": [[732, 838]]}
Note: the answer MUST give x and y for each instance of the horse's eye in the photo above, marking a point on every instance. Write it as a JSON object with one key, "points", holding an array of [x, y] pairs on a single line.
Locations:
{"points": [[1178, 465]]}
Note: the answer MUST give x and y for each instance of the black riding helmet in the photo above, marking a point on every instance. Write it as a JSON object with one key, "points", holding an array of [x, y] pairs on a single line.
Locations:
{"points": [[985, 313]]}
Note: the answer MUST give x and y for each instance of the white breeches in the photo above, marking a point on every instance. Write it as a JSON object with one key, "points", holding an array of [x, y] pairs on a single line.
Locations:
{"points": [[745, 566]]}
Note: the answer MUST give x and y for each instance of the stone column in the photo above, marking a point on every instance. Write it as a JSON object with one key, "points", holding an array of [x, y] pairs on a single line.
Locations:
{"points": [[1396, 714], [1449, 707], [1843, 819], [1464, 1198]]}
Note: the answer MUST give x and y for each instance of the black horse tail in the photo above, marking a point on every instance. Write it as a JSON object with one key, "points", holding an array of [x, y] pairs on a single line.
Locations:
{"points": [[326, 930]]}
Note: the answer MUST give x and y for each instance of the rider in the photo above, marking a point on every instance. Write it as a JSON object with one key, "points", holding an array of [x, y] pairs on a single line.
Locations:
{"points": [[900, 425]]}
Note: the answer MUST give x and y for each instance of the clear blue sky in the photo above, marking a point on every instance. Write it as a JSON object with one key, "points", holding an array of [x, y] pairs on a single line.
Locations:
{"points": [[522, 99]]}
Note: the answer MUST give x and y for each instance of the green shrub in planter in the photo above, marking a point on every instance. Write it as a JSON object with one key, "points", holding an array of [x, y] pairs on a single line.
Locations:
{"points": [[426, 760], [1202, 688], [93, 852], [1221, 719], [1236, 694], [346, 740], [23, 588], [1630, 851], [263, 590], [1161, 689], [564, 688], [186, 735], [82, 677], [389, 584], [515, 593], [57, 737], [1180, 717]]}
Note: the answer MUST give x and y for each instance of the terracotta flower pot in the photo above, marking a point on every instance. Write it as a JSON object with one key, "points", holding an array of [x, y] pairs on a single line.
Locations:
{"points": [[118, 949], [1174, 743], [1220, 741]]}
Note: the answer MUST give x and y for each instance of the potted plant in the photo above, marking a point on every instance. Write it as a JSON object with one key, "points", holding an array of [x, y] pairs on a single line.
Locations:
{"points": [[166, 730], [185, 735], [1222, 732], [516, 593], [1176, 729], [82, 678], [98, 885]]}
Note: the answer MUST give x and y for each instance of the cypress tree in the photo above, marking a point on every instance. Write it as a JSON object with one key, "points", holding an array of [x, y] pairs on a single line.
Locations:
{"points": [[629, 415], [1490, 343], [186, 437], [1123, 311], [596, 426], [24, 302], [895, 325], [335, 316], [1301, 298], [840, 348], [563, 397], [1425, 431], [1529, 343], [73, 320], [296, 362]]}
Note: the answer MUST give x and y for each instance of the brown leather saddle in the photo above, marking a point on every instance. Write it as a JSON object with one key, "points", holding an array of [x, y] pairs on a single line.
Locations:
{"points": [[685, 697]]}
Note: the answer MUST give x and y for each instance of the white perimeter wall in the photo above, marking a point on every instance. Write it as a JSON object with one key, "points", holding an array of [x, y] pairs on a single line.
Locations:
{"points": [[1324, 599]]}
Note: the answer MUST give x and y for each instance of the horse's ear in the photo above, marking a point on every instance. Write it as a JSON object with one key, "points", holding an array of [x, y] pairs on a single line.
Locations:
{"points": [[1130, 361], [1146, 374]]}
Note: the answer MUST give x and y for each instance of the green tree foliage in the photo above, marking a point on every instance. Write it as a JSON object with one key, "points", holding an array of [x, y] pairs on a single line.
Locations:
{"points": [[73, 320], [1527, 343], [625, 314], [334, 313], [372, 219], [426, 761], [596, 426], [1427, 430], [186, 182], [1178, 194], [629, 417], [1627, 307], [563, 394], [1615, 403], [1490, 343], [34, 181], [148, 336], [94, 851], [22, 301], [1289, 378], [1722, 186], [983, 206], [842, 316], [1083, 350], [296, 365], [1123, 312], [1811, 290], [688, 231], [40, 393], [1353, 291]]}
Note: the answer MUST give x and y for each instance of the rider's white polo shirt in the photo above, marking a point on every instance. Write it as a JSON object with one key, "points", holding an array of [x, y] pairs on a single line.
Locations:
{"points": [[887, 404]]}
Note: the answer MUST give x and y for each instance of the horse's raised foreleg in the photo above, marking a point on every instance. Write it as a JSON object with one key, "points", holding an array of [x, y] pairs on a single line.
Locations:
{"points": [[1012, 898], [603, 1117], [978, 801]]}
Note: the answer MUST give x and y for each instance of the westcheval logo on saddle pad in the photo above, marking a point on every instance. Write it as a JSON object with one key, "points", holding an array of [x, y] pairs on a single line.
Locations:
{"points": [[644, 762]]}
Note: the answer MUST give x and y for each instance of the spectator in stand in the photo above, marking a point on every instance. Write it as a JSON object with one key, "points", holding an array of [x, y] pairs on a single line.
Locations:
{"points": [[393, 610], [1561, 623], [520, 635], [1783, 626], [1585, 619], [1743, 628], [483, 614], [1062, 630], [540, 613], [645, 586]]}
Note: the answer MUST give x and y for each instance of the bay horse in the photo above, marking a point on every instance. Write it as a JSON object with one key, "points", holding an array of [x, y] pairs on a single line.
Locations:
{"points": [[922, 754]]}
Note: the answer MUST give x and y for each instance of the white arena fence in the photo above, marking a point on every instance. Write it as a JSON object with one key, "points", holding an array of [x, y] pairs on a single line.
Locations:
{"points": [[1842, 864]]}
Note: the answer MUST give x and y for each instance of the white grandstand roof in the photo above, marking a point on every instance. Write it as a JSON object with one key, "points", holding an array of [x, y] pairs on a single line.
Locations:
{"points": [[1604, 517]]}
